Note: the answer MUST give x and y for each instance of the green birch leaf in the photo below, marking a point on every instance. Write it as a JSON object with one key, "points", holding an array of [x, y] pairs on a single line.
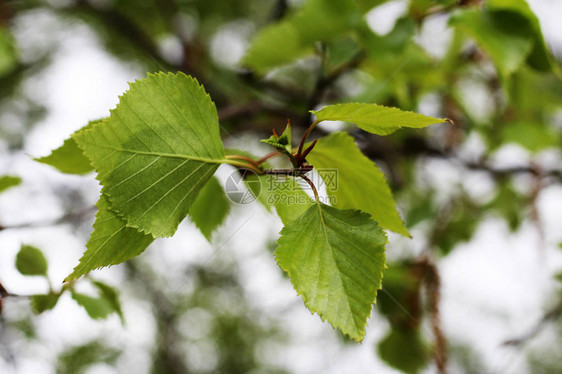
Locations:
{"points": [[210, 208], [30, 261], [69, 158], [505, 36], [335, 259], [112, 297], [97, 308], [360, 183], [9, 181], [373, 118], [111, 243], [156, 151], [42, 303]]}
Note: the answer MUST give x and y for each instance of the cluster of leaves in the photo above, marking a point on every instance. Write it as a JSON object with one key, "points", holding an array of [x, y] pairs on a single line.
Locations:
{"points": [[155, 157]]}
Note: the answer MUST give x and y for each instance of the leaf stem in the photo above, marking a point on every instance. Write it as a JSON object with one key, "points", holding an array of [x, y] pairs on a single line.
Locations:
{"points": [[240, 157], [314, 190], [267, 157], [305, 135], [243, 165]]}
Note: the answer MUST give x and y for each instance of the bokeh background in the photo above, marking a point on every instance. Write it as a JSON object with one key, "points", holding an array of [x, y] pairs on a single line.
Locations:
{"points": [[482, 198]]}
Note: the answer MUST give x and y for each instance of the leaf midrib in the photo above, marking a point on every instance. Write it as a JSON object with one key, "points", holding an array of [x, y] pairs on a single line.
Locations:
{"points": [[324, 227], [161, 154]]}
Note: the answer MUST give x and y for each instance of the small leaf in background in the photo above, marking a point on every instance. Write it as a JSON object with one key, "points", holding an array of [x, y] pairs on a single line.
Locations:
{"points": [[459, 226], [97, 308], [30, 261], [76, 360], [373, 118], [340, 52], [8, 53], [8, 181], [42, 303], [392, 44], [335, 259], [404, 350], [273, 46], [360, 184], [69, 158], [533, 136], [156, 151], [540, 58], [111, 243], [112, 296], [210, 208], [510, 204], [294, 37], [422, 207], [505, 36]]}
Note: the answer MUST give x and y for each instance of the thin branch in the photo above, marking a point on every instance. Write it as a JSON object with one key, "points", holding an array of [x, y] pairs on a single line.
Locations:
{"points": [[548, 317], [71, 217], [432, 283]]}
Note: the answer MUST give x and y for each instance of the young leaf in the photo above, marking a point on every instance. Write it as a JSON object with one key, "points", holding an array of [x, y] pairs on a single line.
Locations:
{"points": [[8, 181], [335, 259], [69, 158], [112, 297], [30, 261], [97, 308], [156, 151], [42, 303], [111, 243], [373, 118], [360, 184], [282, 142], [210, 208]]}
